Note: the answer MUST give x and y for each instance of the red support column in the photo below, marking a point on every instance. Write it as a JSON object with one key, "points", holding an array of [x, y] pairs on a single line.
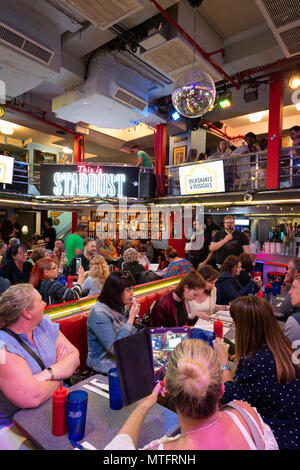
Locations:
{"points": [[177, 243], [79, 148], [74, 221], [160, 149], [274, 131]]}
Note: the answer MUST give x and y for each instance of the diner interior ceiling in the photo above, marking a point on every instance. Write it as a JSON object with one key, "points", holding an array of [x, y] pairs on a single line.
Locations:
{"points": [[86, 48]]}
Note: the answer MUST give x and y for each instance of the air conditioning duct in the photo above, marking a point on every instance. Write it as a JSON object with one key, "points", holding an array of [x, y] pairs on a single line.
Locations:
{"points": [[114, 96], [11, 37], [29, 48], [283, 18], [126, 97], [106, 13]]}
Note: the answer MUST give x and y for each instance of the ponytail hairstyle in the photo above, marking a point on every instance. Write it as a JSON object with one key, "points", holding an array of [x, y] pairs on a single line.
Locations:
{"points": [[171, 253], [38, 270], [194, 379], [13, 301]]}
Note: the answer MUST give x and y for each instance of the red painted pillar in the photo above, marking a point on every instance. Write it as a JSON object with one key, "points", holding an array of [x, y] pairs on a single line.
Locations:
{"points": [[79, 148], [274, 131], [74, 221], [160, 149], [177, 243]]}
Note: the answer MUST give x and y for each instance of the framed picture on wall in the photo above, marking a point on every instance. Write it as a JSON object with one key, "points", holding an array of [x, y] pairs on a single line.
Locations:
{"points": [[179, 155]]}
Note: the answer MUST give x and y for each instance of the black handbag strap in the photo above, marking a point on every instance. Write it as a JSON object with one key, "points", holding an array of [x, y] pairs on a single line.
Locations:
{"points": [[25, 346]]}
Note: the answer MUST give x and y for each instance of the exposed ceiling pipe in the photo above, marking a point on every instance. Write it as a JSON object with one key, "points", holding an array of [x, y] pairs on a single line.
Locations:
{"points": [[205, 54], [45, 121], [210, 125]]}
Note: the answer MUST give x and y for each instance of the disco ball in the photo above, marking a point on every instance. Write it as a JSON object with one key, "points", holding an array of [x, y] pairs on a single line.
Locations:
{"points": [[194, 94]]}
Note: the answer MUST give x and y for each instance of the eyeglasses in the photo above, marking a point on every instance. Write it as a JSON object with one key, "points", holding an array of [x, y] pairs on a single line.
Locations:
{"points": [[22, 252]]}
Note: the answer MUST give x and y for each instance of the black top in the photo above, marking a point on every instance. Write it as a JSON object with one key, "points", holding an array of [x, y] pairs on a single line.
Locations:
{"points": [[51, 234], [233, 247], [53, 292], [7, 230], [135, 268], [181, 315], [13, 274], [84, 263], [244, 278]]}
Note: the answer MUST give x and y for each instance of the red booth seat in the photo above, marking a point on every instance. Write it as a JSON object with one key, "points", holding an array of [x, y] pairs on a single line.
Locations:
{"points": [[75, 330]]}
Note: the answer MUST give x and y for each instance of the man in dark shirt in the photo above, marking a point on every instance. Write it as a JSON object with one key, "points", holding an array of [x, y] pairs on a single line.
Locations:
{"points": [[90, 249], [11, 228], [18, 269], [229, 241], [49, 234]]}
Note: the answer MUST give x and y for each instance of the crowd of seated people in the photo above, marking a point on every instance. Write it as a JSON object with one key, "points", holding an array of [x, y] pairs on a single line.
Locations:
{"points": [[264, 375]]}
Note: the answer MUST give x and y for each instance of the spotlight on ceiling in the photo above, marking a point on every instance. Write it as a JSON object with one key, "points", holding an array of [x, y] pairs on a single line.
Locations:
{"points": [[294, 82], [250, 95], [175, 116], [225, 100]]}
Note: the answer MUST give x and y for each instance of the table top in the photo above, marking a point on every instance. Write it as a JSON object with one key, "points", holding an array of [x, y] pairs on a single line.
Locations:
{"points": [[102, 423]]}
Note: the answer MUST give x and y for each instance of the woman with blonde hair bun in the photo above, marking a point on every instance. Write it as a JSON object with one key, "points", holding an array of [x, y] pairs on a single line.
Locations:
{"points": [[193, 383], [97, 276]]}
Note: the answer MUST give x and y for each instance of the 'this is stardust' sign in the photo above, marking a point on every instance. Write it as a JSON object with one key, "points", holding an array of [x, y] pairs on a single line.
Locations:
{"points": [[89, 181]]}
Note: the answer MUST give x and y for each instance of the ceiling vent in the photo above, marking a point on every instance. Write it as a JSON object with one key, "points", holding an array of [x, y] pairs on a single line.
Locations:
{"points": [[283, 17], [27, 46], [106, 13], [127, 98]]}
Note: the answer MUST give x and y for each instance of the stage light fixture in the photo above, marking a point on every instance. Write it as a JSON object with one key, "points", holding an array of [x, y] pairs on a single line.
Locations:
{"points": [[250, 95], [175, 116], [294, 82], [225, 100]]}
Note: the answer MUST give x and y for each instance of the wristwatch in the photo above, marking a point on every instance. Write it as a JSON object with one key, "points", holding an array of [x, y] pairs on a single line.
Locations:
{"points": [[225, 367], [51, 372]]}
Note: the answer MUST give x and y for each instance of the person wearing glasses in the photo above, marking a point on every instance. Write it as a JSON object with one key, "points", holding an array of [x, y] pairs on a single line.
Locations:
{"points": [[33, 369], [107, 320], [44, 279], [17, 269], [229, 241]]}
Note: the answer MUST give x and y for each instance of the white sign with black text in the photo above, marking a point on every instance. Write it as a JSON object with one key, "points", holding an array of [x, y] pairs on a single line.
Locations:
{"points": [[6, 169], [202, 178]]}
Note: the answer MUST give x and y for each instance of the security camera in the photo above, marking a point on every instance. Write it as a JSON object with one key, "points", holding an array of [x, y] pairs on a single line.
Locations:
{"points": [[248, 197]]}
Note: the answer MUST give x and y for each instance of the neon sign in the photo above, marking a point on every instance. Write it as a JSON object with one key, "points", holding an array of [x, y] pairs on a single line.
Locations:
{"points": [[88, 183]]}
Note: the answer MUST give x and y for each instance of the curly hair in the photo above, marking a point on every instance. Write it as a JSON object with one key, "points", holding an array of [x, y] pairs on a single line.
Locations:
{"points": [[99, 268], [130, 256]]}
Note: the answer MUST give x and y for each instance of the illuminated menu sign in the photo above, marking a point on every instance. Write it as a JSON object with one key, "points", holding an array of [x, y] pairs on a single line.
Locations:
{"points": [[202, 178], [6, 169], [89, 181]]}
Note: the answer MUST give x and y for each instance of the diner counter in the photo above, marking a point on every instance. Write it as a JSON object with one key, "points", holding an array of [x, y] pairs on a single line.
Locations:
{"points": [[66, 309], [268, 258]]}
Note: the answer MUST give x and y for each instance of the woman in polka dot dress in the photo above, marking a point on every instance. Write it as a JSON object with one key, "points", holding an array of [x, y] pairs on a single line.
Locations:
{"points": [[267, 371]]}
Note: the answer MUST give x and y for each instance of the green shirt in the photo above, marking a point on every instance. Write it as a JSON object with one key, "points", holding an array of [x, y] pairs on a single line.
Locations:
{"points": [[73, 242], [147, 160]]}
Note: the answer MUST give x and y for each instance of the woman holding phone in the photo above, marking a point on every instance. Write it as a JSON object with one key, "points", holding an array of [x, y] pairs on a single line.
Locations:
{"points": [[108, 321], [44, 279]]}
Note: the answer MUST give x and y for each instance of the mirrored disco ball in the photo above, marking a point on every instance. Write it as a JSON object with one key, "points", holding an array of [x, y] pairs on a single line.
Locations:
{"points": [[194, 94]]}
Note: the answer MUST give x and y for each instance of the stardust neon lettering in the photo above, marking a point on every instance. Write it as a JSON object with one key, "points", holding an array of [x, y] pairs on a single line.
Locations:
{"points": [[85, 184]]}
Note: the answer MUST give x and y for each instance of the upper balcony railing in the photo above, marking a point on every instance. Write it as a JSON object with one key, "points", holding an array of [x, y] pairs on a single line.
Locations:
{"points": [[247, 171]]}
